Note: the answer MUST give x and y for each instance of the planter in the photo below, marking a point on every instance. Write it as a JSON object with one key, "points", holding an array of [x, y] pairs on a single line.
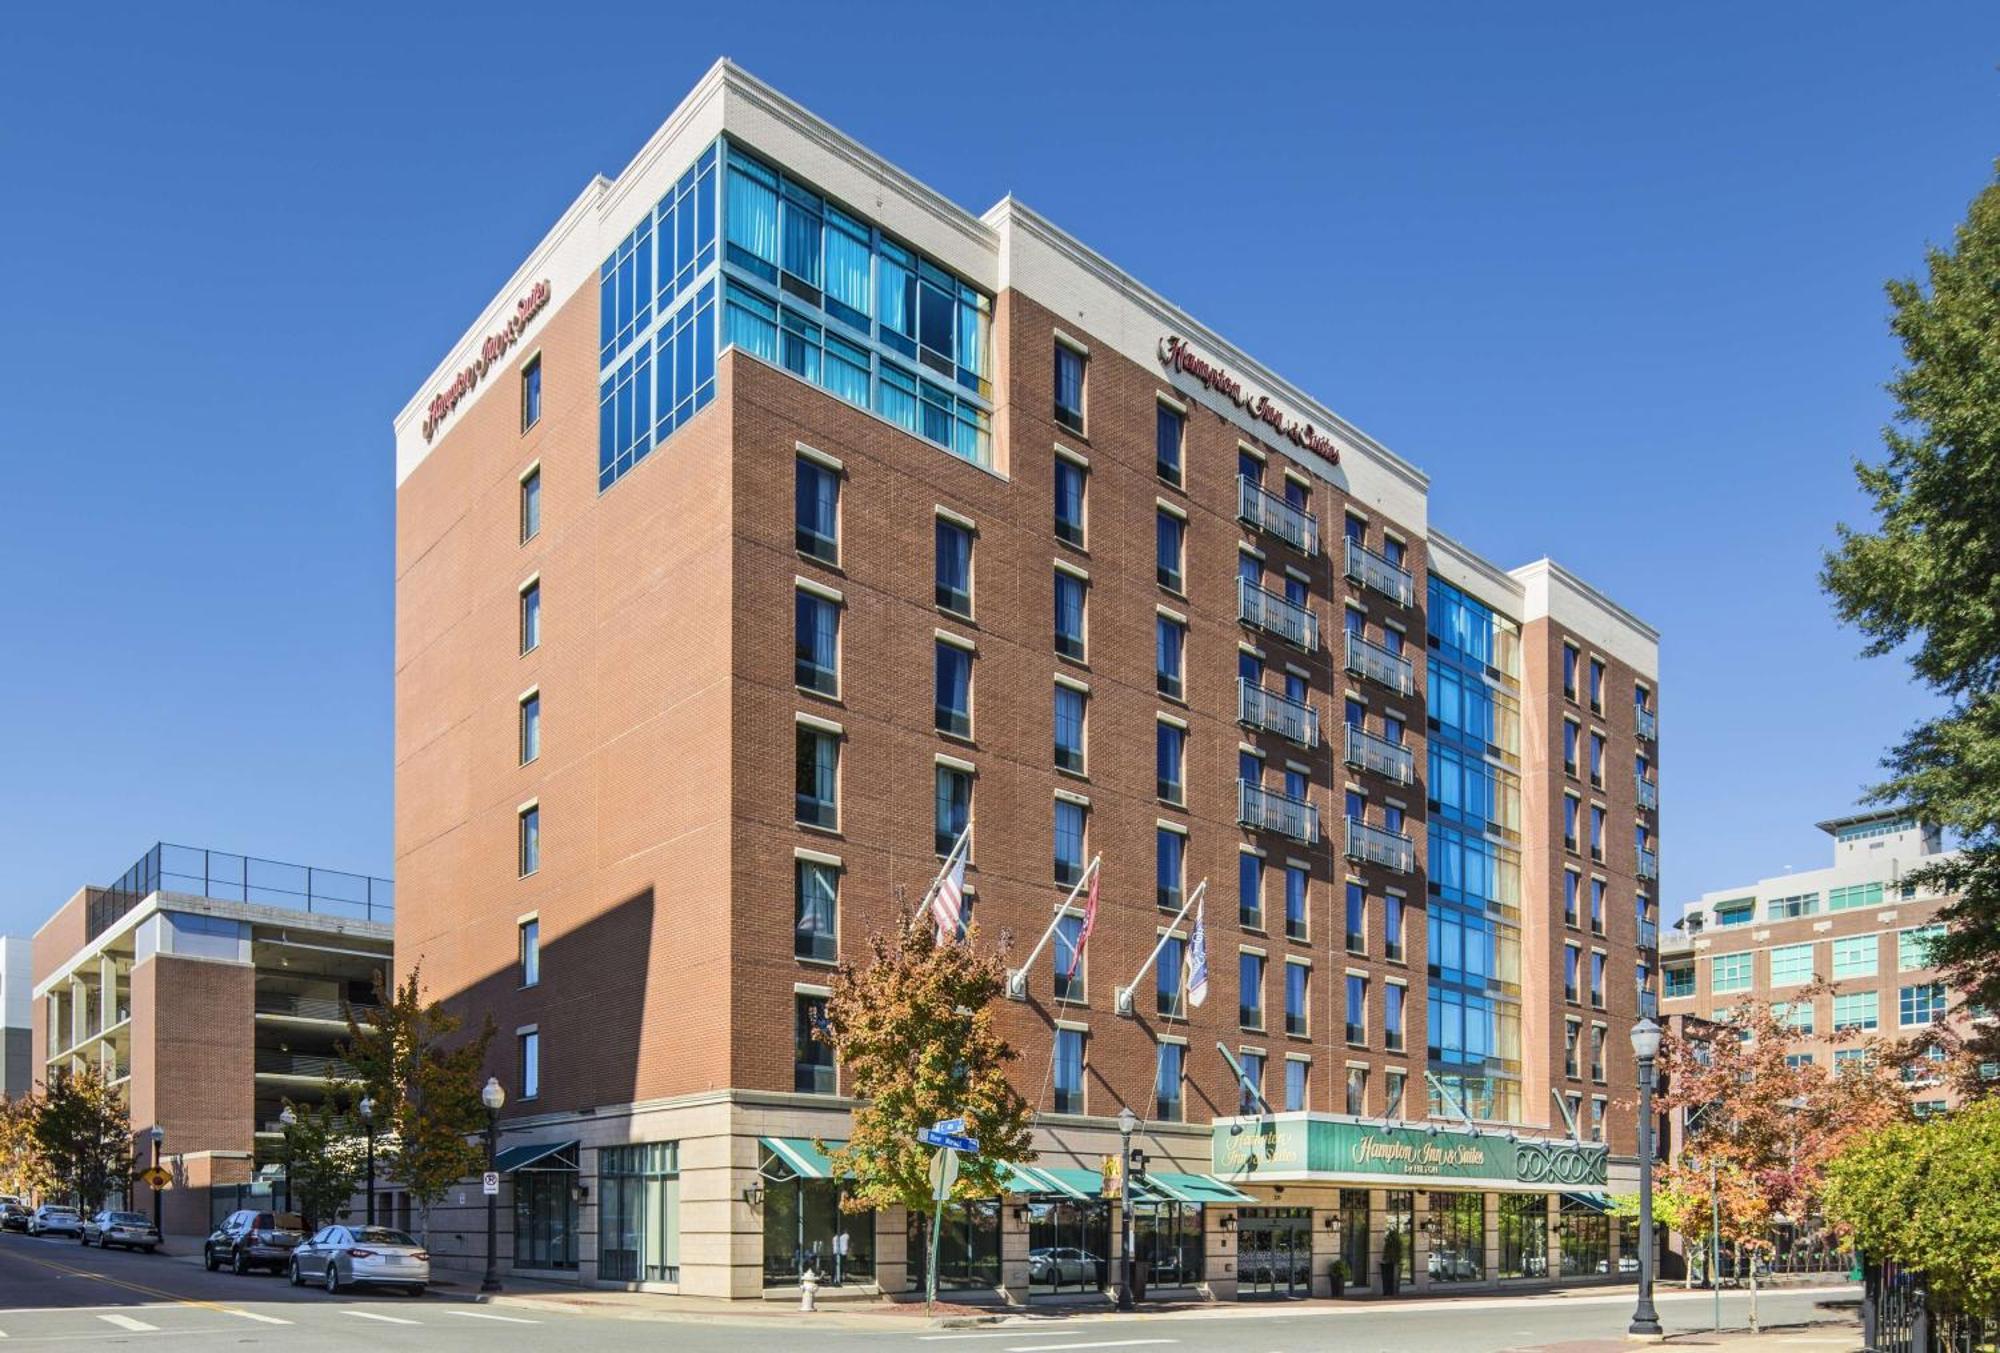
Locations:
{"points": [[1392, 1279], [1339, 1286]]}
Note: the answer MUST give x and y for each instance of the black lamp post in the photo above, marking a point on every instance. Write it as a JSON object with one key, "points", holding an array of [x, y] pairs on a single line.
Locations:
{"points": [[158, 1135], [366, 1108], [1645, 1046], [1128, 1123], [288, 1120], [493, 1096]]}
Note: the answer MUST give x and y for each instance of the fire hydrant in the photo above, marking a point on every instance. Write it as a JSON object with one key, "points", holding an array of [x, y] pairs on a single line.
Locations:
{"points": [[809, 1290]]}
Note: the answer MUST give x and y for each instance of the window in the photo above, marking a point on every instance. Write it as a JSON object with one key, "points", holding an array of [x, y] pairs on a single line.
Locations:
{"points": [[1570, 656], [954, 689], [1069, 386], [1169, 548], [1739, 912], [816, 781], [1679, 982], [1798, 904], [1357, 1090], [1070, 820], [1597, 980], [1856, 956], [1570, 807], [1070, 478], [1392, 928], [530, 1062], [1791, 965], [1597, 906], [1070, 590], [1597, 1035], [954, 567], [1730, 972], [816, 511], [1572, 1038], [1069, 728], [1597, 1107], [1296, 878], [530, 729], [639, 1200], [1395, 996], [816, 910], [1169, 435], [1253, 1080], [1795, 1015], [1597, 685], [1921, 1004], [1570, 731], [1596, 832], [1169, 755], [1392, 1095], [1169, 1066], [1066, 959], [1069, 1071], [531, 952], [1170, 867], [1597, 759], [1913, 947], [1250, 990], [1167, 977], [1572, 963], [531, 504], [812, 1058], [528, 839], [1250, 890], [1854, 895], [1357, 1008], [1845, 1059], [1357, 914], [1855, 1011], [531, 616], [1298, 1084], [1169, 653], [1298, 978], [816, 643], [954, 807], [1572, 885]]}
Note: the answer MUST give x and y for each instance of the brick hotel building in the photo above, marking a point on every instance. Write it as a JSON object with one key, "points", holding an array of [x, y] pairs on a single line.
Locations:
{"points": [[776, 515]]}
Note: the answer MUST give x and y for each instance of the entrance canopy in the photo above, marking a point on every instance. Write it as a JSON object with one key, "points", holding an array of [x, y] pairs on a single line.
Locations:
{"points": [[797, 1158], [540, 1156]]}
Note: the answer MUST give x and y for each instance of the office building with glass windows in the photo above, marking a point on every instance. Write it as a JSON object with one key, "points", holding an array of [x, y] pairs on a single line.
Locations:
{"points": [[778, 517]]}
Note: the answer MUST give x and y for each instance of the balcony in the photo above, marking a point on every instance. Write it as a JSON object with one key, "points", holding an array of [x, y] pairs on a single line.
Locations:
{"points": [[1267, 610], [1274, 713], [1649, 793], [1268, 810], [313, 1007], [1377, 845], [1371, 570], [1647, 722], [1649, 935], [1379, 664], [1649, 864], [200, 872], [272, 1063], [1268, 512], [1393, 759]]}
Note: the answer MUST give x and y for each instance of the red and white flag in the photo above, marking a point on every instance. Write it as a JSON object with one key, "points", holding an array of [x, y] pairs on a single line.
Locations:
{"points": [[1083, 936], [948, 900]]}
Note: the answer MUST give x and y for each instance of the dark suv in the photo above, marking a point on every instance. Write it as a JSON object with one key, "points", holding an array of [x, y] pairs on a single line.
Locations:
{"points": [[248, 1240]]}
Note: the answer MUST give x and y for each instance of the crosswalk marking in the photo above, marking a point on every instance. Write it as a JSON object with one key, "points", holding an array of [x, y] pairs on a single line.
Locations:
{"points": [[385, 1319], [484, 1315], [126, 1322], [1100, 1343], [252, 1315]]}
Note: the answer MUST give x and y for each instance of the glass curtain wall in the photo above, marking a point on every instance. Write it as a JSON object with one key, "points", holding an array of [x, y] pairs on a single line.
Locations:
{"points": [[1458, 1237], [968, 1246], [638, 1213], [1069, 1245], [1586, 1239], [1168, 1236], [1524, 1235]]}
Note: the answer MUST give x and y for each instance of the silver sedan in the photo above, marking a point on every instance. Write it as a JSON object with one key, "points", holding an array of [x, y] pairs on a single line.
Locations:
{"points": [[338, 1257]]}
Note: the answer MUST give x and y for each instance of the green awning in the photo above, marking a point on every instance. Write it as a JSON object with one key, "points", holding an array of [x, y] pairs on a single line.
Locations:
{"points": [[1079, 1185], [1030, 1181], [1194, 1188], [798, 1158], [1589, 1202], [526, 1157]]}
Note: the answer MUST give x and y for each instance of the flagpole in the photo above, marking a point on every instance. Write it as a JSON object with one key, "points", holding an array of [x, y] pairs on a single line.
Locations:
{"points": [[1017, 978], [1123, 1003], [924, 907]]}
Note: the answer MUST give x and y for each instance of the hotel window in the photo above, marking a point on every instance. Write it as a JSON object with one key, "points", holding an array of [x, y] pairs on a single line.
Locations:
{"points": [[1854, 895], [1730, 972], [1170, 433], [1856, 956], [1596, 686], [953, 713], [639, 1218], [1572, 963], [531, 392], [1296, 878], [1169, 656], [1597, 1035], [1357, 1090], [816, 642], [1069, 386], [1596, 832], [531, 952], [1357, 1008], [1070, 590], [1393, 549], [531, 504], [1250, 890], [1357, 914], [816, 777], [1168, 1071], [1791, 965], [531, 616], [1796, 1016], [530, 728], [1572, 886], [1395, 997], [1570, 734], [1679, 982], [1913, 947], [1739, 912], [1167, 977], [954, 567], [1392, 928], [1298, 1084], [954, 807], [1392, 1094], [530, 1064], [816, 510], [1298, 979], [816, 910], [1066, 959], [1250, 1090], [1070, 479], [1786, 908], [1071, 818], [1250, 467], [1921, 1004], [1572, 1037], [1070, 705], [1597, 906], [1570, 657], [528, 839], [1597, 980], [1169, 757], [1169, 548], [1597, 759], [1169, 867], [1250, 990], [1355, 529], [1597, 1107], [1571, 806], [812, 1059], [1069, 1071], [1855, 1011]]}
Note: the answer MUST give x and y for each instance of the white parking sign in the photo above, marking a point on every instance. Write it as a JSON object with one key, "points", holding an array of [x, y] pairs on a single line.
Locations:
{"points": [[489, 1183]]}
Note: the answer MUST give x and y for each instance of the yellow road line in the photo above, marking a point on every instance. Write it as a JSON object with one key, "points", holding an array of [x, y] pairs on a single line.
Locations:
{"points": [[128, 1285]]}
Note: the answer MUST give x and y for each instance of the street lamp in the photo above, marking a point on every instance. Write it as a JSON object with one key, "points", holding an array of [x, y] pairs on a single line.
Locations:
{"points": [[1128, 1123], [288, 1120], [158, 1134], [493, 1096], [1645, 1046], [366, 1108]]}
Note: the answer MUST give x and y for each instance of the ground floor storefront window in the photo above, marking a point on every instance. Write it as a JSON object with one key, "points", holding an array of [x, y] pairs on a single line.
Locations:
{"points": [[1586, 1239], [1168, 1238], [1274, 1251], [545, 1218], [1458, 1237], [1524, 1235], [1399, 1219], [639, 1213], [804, 1228], [1354, 1235], [968, 1246], [1069, 1245]]}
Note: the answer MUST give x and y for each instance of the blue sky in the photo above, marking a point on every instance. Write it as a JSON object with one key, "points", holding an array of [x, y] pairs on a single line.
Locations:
{"points": [[1611, 275]]}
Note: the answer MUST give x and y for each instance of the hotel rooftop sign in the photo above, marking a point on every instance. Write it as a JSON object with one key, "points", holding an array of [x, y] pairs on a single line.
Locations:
{"points": [[491, 351], [1177, 356], [1306, 1148]]}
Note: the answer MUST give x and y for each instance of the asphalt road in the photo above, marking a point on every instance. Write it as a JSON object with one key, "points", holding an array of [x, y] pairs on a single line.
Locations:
{"points": [[56, 1292]]}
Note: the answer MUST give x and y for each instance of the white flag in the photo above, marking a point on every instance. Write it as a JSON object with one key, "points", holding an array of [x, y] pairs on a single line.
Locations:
{"points": [[1197, 958]]}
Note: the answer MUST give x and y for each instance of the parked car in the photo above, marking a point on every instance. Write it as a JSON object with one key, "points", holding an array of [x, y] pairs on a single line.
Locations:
{"points": [[355, 1256], [1061, 1265], [131, 1230], [54, 1219], [251, 1239], [14, 1217]]}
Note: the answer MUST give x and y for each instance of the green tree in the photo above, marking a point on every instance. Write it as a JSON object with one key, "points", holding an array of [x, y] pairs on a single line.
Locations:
{"points": [[1926, 578], [412, 1056], [85, 1136], [327, 1164]]}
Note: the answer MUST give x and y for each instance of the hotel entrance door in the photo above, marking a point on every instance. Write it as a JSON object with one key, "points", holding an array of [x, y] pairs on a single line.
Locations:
{"points": [[1275, 1252]]}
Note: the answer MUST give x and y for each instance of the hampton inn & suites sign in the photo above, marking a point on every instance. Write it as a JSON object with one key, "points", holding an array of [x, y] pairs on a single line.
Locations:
{"points": [[1177, 356], [495, 347], [1306, 1147]]}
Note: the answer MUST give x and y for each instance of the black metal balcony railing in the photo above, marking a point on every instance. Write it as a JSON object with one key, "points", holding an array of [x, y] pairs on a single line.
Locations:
{"points": [[1268, 512], [195, 870], [273, 1063], [1378, 664], [1269, 810], [1371, 570], [313, 1007], [1260, 707], [1276, 614], [1366, 750], [1377, 845]]}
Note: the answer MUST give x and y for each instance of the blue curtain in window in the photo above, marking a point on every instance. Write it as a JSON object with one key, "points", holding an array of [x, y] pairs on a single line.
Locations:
{"points": [[896, 398], [817, 894], [971, 337], [896, 288], [752, 214], [847, 270], [751, 324], [802, 231], [1069, 380], [1069, 607]]}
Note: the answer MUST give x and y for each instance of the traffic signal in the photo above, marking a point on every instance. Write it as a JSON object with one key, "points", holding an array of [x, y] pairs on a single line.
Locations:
{"points": [[1138, 1167]]}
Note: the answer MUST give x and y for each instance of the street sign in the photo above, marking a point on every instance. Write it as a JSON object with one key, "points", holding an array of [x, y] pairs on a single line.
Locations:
{"points": [[489, 1183], [944, 1173], [952, 1125], [156, 1177], [949, 1141]]}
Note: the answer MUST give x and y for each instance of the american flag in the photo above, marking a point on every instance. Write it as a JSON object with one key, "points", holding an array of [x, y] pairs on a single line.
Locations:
{"points": [[948, 896], [1083, 935]]}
